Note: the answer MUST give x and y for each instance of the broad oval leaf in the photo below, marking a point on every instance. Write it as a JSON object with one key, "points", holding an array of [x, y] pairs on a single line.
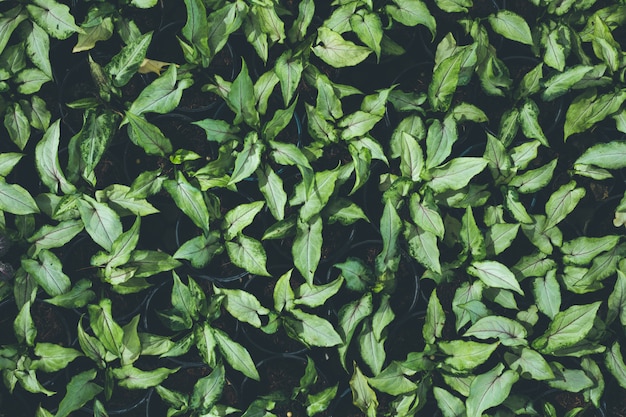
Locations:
{"points": [[248, 253], [55, 18], [47, 272], [490, 389], [125, 64], [456, 173], [512, 26], [611, 155], [189, 199], [333, 49], [101, 222], [236, 355], [567, 328], [509, 332], [466, 355], [313, 330], [495, 275], [307, 247], [15, 199]]}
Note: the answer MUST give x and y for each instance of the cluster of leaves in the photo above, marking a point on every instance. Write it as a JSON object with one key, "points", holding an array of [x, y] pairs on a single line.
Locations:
{"points": [[494, 167]]}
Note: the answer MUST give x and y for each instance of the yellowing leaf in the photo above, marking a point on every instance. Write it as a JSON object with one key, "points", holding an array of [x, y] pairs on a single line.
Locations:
{"points": [[152, 65]]}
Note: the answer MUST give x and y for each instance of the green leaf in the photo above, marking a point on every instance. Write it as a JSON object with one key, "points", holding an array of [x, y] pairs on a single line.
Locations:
{"points": [[249, 254], [93, 33], [615, 363], [132, 343], [449, 405], [435, 319], [411, 158], [582, 250], [363, 396], [24, 326], [500, 236], [562, 202], [55, 18], [307, 247], [279, 122], [147, 136], [130, 377], [218, 130], [196, 27], [271, 186], [609, 155], [240, 98], [554, 54], [423, 246], [189, 199], [236, 355], [444, 82], [532, 363], [93, 140], [316, 295], [617, 300], [78, 296], [30, 80], [333, 49], [515, 207], [512, 26], [529, 121], [588, 109], [412, 13], [357, 274], [47, 161], [248, 159], [509, 332], [471, 237], [80, 390], [466, 355], [288, 69], [37, 48], [567, 328], [240, 217], [369, 29], [283, 293], [47, 272], [313, 330], [125, 64], [392, 380], [9, 21], [495, 275], [244, 306], [15, 199], [101, 222], [357, 124], [207, 390], [547, 294], [108, 332], [317, 403], [17, 125], [455, 174], [534, 180], [490, 389], [318, 195], [562, 82], [439, 141], [162, 95], [371, 349], [350, 316]]}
